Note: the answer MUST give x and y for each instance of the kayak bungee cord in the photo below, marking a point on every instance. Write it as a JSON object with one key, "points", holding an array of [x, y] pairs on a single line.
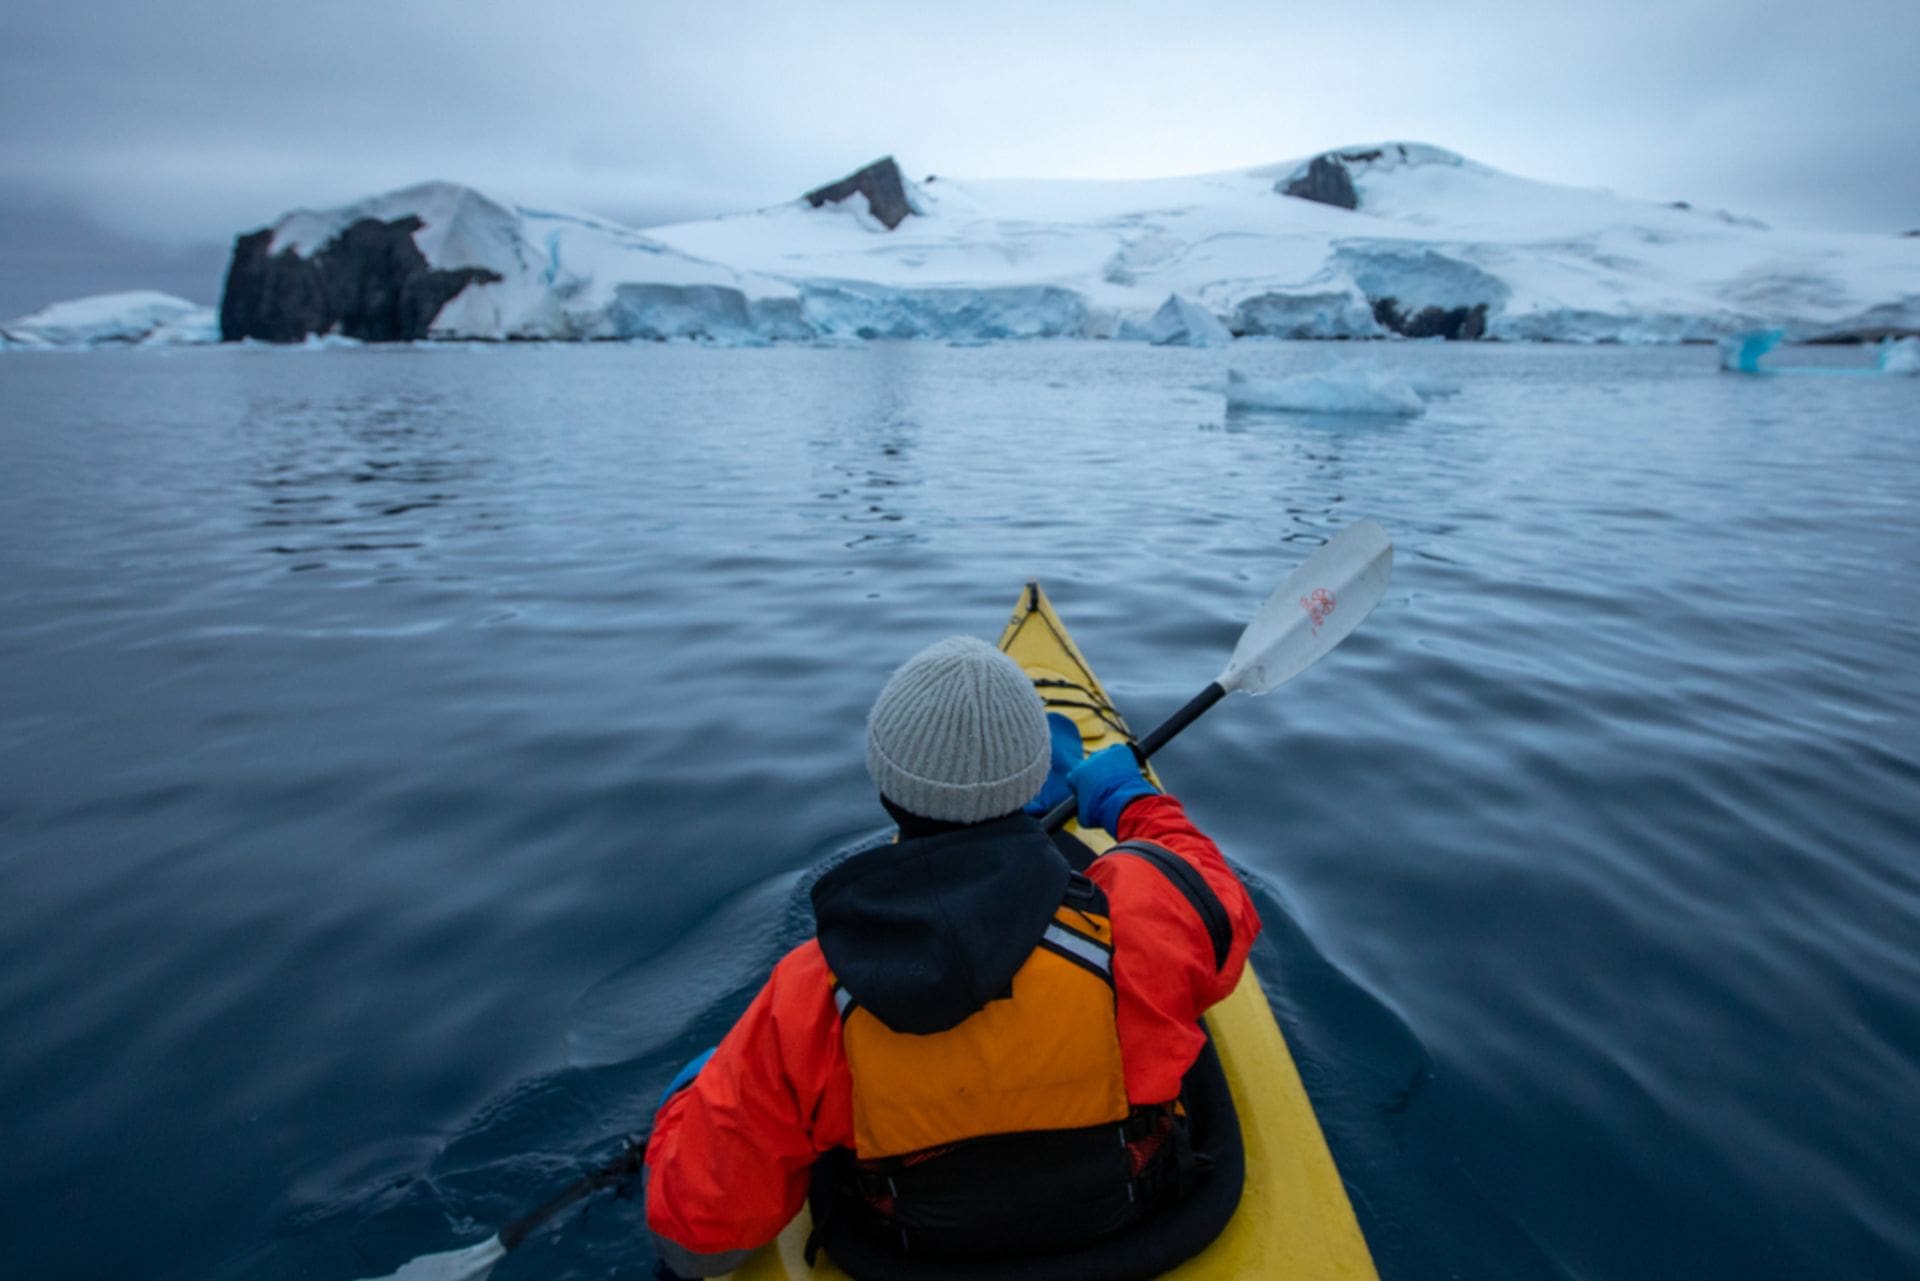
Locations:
{"points": [[1108, 715]]}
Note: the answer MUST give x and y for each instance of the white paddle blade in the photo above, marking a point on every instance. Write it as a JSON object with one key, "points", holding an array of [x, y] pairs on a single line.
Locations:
{"points": [[1314, 610], [470, 1264]]}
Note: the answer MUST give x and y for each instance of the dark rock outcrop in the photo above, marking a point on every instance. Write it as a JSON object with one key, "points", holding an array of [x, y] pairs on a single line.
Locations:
{"points": [[1453, 323], [369, 282], [1328, 180], [880, 182], [1325, 182]]}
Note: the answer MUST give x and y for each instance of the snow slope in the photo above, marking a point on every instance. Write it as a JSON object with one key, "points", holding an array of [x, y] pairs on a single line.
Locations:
{"points": [[1433, 230], [1438, 245]]}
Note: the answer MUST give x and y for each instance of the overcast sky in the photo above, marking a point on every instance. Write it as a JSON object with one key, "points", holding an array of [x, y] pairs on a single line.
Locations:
{"points": [[136, 138]]}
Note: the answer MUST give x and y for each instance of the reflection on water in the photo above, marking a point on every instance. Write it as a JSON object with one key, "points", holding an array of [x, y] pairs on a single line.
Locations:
{"points": [[1586, 862], [338, 475], [865, 459]]}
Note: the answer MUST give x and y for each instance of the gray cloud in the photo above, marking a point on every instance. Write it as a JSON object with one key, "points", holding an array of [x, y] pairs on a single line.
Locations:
{"points": [[49, 252], [183, 124]]}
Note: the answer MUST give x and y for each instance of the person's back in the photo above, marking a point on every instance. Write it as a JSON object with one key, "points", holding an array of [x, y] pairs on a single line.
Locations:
{"points": [[981, 1051]]}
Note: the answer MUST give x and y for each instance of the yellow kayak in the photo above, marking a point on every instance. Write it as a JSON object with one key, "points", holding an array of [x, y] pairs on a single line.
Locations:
{"points": [[1294, 1218]]}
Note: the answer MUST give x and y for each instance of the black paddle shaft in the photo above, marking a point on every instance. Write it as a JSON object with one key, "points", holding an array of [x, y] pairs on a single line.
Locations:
{"points": [[618, 1170], [1162, 735]]}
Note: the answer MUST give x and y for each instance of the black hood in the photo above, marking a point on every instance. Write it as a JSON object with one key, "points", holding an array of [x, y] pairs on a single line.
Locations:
{"points": [[924, 933]]}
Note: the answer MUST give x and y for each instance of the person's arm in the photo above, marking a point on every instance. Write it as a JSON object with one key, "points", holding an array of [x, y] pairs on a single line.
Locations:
{"points": [[1229, 920], [731, 1154], [1190, 919], [1182, 927], [1114, 793]]}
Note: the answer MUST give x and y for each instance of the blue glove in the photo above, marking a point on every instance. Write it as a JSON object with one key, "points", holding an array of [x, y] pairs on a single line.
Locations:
{"points": [[1106, 783], [1067, 753], [684, 1077]]}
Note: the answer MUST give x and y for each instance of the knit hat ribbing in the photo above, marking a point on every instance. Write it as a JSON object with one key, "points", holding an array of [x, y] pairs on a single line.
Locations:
{"points": [[958, 734]]}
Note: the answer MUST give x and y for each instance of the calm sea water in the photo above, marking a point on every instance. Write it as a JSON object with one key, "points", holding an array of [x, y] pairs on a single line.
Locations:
{"points": [[408, 757]]}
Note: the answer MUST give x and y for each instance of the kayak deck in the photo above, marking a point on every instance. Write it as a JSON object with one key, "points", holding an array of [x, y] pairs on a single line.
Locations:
{"points": [[1294, 1219]]}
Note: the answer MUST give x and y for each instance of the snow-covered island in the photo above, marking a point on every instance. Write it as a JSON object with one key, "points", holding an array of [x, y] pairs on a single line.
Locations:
{"points": [[1398, 239], [140, 317]]}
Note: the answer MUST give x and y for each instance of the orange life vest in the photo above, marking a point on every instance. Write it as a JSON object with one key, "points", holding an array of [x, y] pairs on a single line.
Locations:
{"points": [[1044, 1056]]}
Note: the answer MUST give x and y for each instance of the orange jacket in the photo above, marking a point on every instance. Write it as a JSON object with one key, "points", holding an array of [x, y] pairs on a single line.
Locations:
{"points": [[731, 1155]]}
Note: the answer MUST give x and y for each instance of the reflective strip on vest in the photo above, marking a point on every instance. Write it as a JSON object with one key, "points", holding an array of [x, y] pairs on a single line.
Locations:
{"points": [[1095, 954], [1046, 1057]]}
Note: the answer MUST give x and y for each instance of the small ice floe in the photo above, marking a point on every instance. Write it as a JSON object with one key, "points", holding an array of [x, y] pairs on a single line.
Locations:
{"points": [[1381, 395], [329, 342], [1431, 388]]}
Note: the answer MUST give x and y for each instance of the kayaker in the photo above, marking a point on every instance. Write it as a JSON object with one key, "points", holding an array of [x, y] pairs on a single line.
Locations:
{"points": [[981, 1050]]}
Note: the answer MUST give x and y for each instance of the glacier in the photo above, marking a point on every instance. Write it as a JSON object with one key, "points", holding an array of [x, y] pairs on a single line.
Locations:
{"points": [[1418, 242]]}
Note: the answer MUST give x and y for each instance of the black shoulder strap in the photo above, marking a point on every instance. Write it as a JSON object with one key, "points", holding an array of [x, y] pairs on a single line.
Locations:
{"points": [[1193, 886], [1085, 896]]}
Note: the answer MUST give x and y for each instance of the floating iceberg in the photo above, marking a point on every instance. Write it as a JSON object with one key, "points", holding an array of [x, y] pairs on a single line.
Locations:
{"points": [[138, 318], [1742, 354], [1380, 395], [1901, 357], [1428, 388], [1181, 322]]}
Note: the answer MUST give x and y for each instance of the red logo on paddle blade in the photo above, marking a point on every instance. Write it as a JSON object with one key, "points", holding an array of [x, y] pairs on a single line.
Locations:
{"points": [[1318, 603]]}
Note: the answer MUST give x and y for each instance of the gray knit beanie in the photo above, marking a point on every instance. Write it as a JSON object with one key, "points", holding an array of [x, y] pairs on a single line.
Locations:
{"points": [[958, 734]]}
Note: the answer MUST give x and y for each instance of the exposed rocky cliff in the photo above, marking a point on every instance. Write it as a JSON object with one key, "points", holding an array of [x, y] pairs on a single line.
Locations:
{"points": [[1328, 178], [369, 282], [1325, 182], [1452, 323], [880, 182]]}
